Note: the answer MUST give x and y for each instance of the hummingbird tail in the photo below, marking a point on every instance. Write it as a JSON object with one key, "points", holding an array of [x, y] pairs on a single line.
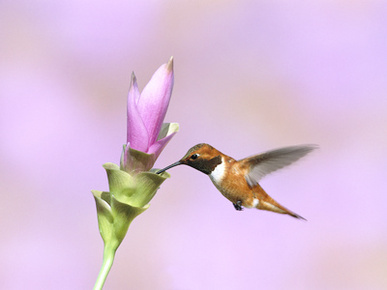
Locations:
{"points": [[268, 203], [297, 216], [276, 207], [265, 202]]}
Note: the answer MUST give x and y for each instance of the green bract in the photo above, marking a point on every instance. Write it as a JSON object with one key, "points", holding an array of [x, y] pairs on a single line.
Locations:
{"points": [[128, 196]]}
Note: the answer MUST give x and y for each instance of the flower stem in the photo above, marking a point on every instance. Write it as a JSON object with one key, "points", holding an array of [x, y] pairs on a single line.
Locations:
{"points": [[108, 257]]}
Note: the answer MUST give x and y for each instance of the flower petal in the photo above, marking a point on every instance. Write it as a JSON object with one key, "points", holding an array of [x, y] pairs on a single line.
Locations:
{"points": [[118, 179], [166, 133], [137, 134], [154, 100], [105, 216], [147, 185], [134, 161]]}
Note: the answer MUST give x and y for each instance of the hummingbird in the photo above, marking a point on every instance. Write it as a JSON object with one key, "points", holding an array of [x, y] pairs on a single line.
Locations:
{"points": [[237, 180]]}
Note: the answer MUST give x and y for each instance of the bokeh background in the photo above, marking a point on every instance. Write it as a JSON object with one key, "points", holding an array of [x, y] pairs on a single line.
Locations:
{"points": [[249, 76]]}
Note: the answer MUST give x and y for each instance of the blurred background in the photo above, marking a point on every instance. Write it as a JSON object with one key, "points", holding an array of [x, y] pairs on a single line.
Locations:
{"points": [[249, 76]]}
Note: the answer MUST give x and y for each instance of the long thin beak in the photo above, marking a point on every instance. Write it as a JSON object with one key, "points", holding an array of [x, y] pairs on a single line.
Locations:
{"points": [[170, 166]]}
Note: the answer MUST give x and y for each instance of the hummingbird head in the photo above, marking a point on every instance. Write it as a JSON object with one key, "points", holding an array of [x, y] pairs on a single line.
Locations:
{"points": [[202, 157]]}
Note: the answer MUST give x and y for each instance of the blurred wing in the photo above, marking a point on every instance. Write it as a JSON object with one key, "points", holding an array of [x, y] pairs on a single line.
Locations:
{"points": [[265, 163]]}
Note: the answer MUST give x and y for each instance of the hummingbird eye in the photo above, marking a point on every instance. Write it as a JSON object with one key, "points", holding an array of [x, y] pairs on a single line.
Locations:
{"points": [[194, 156]]}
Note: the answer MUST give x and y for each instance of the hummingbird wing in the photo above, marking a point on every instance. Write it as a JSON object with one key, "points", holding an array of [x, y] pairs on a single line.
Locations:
{"points": [[262, 164]]}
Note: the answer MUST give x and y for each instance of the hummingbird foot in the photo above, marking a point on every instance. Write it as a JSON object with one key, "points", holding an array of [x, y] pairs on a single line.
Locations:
{"points": [[238, 205]]}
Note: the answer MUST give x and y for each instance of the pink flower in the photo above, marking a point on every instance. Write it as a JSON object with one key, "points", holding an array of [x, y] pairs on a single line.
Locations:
{"points": [[146, 113]]}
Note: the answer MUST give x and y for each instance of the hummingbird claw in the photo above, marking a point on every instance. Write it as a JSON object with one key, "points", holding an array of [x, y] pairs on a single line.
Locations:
{"points": [[238, 205]]}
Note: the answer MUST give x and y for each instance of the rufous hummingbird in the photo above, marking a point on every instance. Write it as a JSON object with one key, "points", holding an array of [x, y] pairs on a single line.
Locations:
{"points": [[238, 180]]}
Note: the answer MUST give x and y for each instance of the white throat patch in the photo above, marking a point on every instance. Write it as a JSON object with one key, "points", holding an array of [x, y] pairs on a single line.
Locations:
{"points": [[218, 173]]}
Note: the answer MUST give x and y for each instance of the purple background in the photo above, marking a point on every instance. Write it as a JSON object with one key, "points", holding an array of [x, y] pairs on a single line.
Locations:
{"points": [[249, 76]]}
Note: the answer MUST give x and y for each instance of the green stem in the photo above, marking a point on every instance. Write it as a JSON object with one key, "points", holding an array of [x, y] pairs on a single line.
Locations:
{"points": [[108, 257]]}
